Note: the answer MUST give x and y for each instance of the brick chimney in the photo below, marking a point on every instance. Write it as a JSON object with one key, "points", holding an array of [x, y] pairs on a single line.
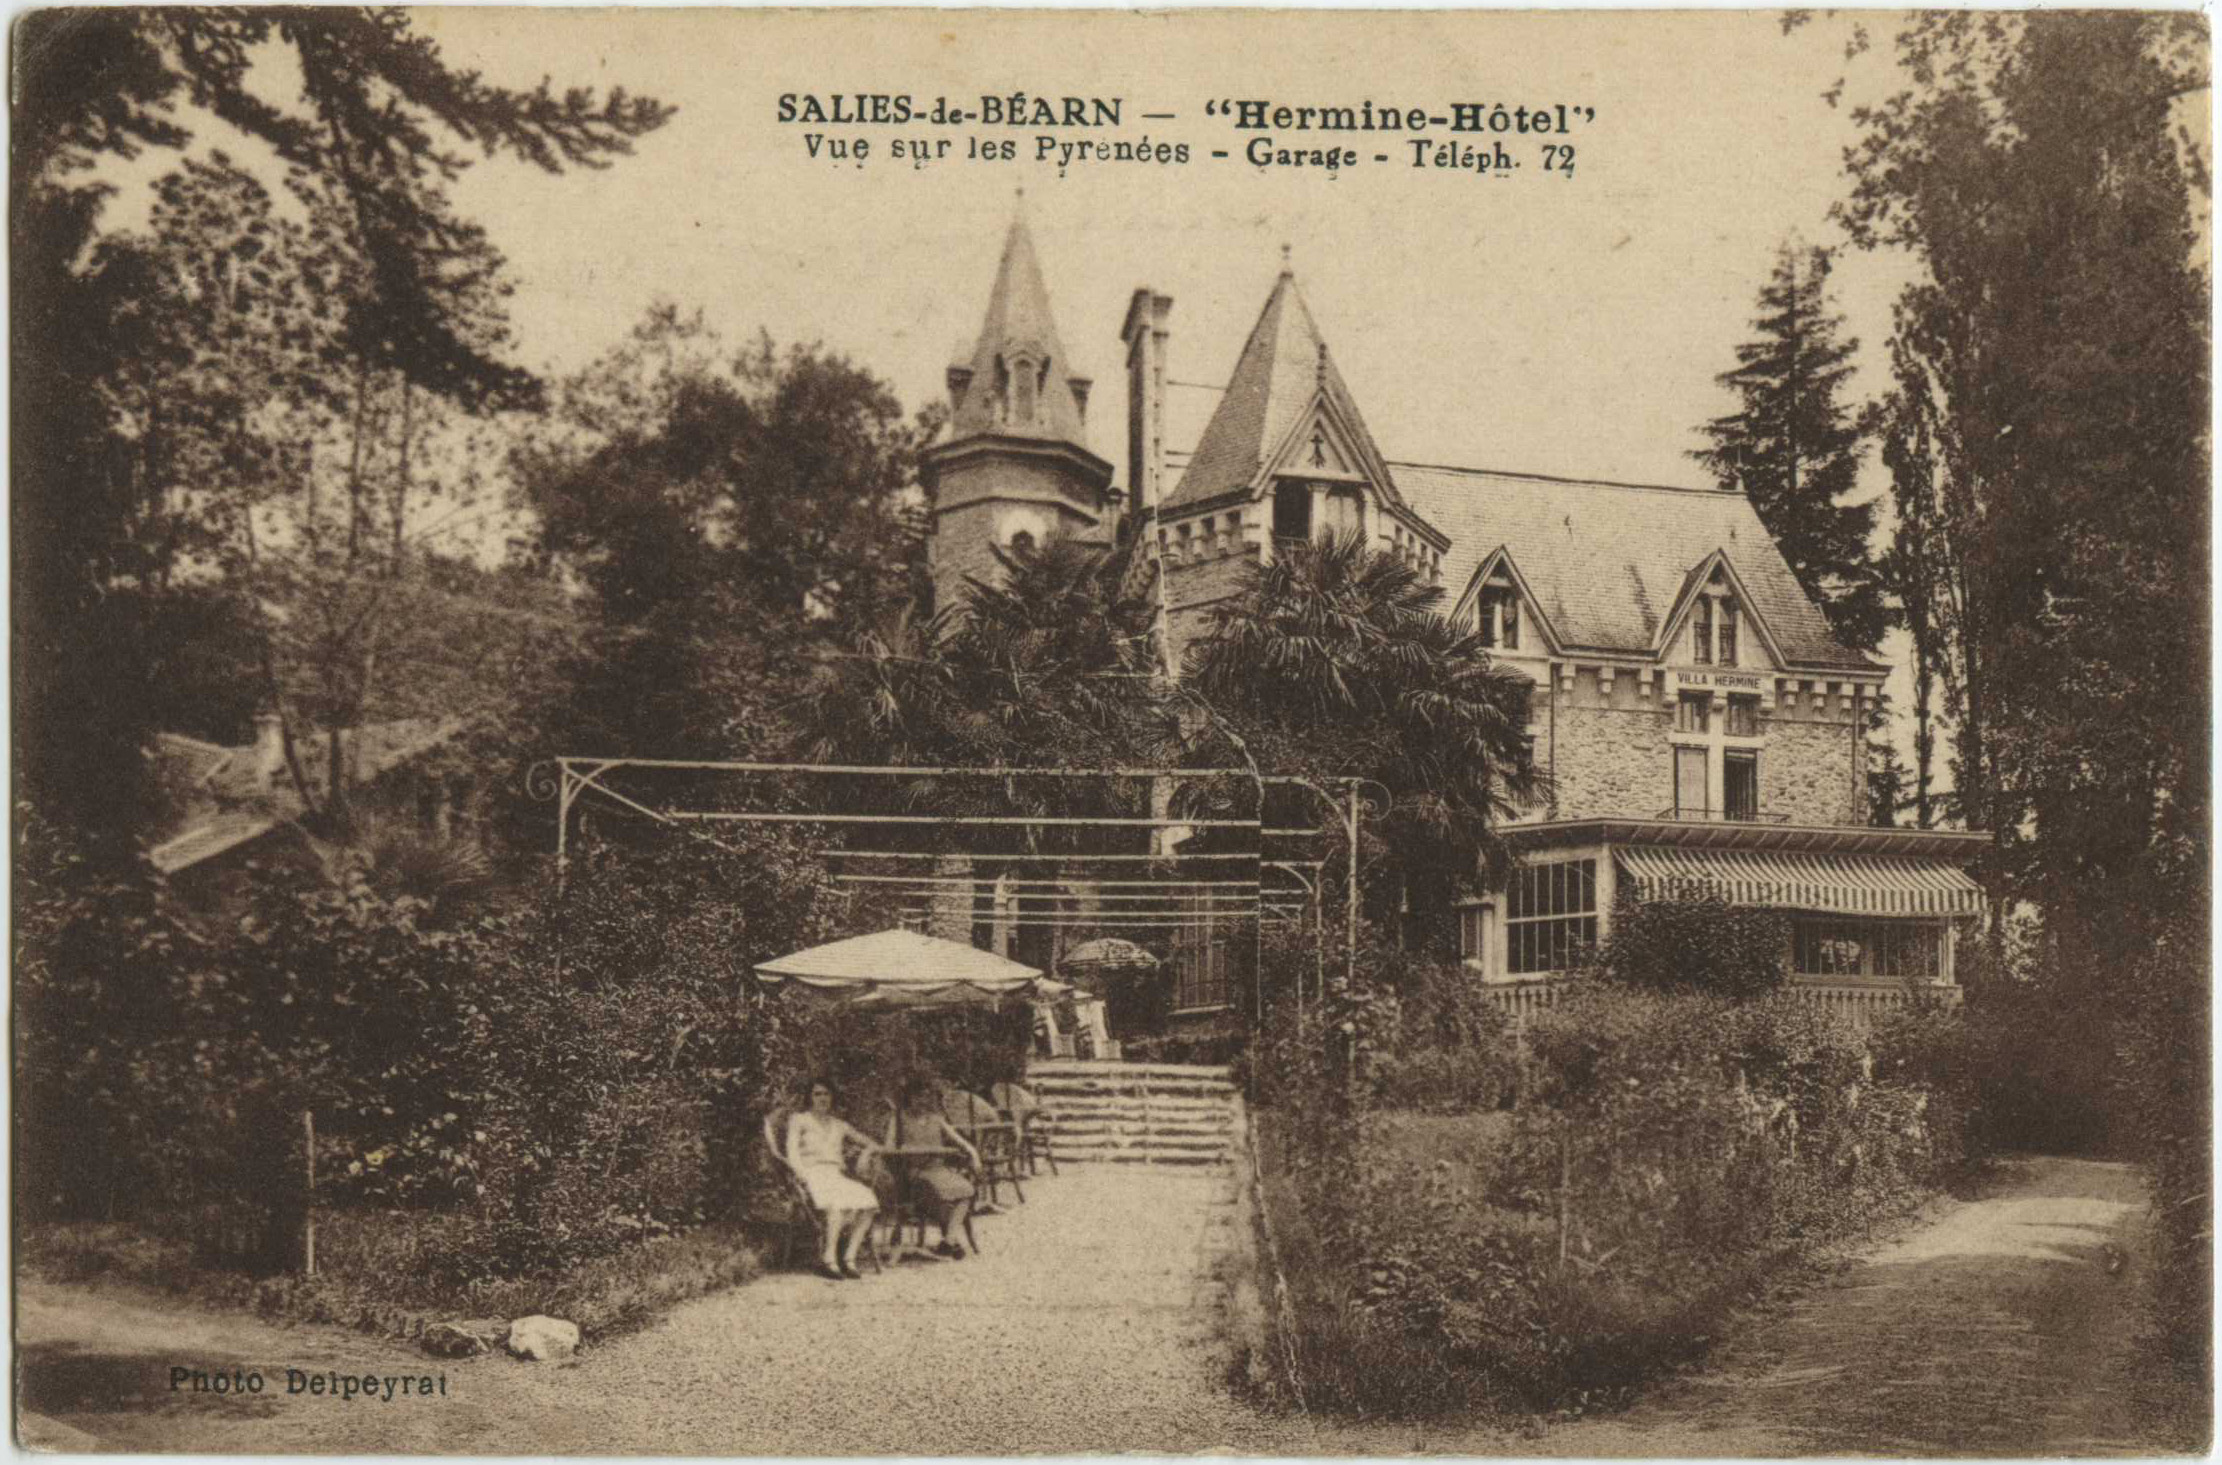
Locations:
{"points": [[1144, 334]]}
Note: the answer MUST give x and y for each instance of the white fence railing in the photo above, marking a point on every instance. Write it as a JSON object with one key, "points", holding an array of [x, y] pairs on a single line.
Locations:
{"points": [[1858, 999]]}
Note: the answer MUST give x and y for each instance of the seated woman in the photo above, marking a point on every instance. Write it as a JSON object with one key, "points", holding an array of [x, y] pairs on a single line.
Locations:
{"points": [[817, 1141], [937, 1187]]}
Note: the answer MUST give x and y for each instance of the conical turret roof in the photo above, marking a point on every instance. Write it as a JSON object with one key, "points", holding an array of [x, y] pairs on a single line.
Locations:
{"points": [[1284, 370], [1019, 329]]}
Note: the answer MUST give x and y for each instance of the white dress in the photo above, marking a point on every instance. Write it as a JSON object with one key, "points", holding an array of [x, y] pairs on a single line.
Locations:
{"points": [[814, 1149]]}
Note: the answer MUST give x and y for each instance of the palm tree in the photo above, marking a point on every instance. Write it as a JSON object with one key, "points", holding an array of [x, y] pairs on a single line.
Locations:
{"points": [[1337, 661], [1048, 665]]}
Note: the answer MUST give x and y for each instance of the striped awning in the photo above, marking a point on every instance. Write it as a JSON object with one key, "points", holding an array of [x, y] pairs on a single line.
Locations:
{"points": [[1852, 885]]}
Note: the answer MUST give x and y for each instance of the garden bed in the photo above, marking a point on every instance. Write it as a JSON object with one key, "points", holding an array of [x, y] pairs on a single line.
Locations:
{"points": [[378, 1271]]}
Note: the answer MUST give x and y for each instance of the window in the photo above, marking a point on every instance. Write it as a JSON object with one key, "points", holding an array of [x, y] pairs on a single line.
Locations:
{"points": [[1740, 785], [1473, 932], [1727, 633], [1909, 951], [1550, 916], [1701, 632], [1743, 717], [1022, 542], [1292, 511], [1345, 512], [1200, 973], [1828, 948], [1689, 782], [1500, 617], [1896, 949], [1693, 713]]}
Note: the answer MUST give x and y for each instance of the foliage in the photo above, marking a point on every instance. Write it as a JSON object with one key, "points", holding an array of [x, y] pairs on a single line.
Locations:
{"points": [[561, 1082], [672, 467], [2165, 1068], [108, 501], [2048, 439], [1794, 448], [388, 1271], [1699, 943], [1047, 665], [1336, 661], [1671, 1152]]}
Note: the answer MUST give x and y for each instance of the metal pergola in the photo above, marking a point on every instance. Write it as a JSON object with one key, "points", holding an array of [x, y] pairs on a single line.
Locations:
{"points": [[1282, 880]]}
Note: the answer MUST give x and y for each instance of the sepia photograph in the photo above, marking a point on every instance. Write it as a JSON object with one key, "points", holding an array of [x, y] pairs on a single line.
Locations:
{"points": [[986, 733]]}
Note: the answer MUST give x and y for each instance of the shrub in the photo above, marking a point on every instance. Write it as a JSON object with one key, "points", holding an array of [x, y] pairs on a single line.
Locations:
{"points": [[2166, 1077], [563, 1081], [1672, 1151], [1700, 943]]}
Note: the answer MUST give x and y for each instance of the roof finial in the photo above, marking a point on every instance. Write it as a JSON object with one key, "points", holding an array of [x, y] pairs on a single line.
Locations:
{"points": [[1286, 267], [1323, 363]]}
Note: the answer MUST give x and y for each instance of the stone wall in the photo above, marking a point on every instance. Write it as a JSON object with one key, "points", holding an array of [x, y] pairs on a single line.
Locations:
{"points": [[981, 503], [1196, 585], [1808, 772], [1612, 757], [1610, 762]]}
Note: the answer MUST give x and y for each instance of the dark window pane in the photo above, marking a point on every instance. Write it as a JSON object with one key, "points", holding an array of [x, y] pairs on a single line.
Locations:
{"points": [[1740, 785]]}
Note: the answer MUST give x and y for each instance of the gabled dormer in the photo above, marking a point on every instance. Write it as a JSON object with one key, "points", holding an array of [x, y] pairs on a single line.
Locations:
{"points": [[1289, 451], [1286, 458], [1715, 622], [1499, 605]]}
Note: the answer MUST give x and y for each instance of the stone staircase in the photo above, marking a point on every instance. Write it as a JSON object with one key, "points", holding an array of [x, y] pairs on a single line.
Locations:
{"points": [[1138, 1113]]}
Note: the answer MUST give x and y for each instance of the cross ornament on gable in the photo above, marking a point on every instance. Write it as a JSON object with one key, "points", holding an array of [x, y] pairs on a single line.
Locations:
{"points": [[1319, 446]]}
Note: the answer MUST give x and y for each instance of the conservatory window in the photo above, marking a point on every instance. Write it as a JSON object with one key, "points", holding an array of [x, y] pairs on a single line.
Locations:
{"points": [[1550, 916]]}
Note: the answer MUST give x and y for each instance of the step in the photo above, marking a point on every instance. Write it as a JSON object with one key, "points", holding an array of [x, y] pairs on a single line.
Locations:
{"points": [[1067, 1138], [1065, 1132], [1178, 1108], [1060, 1067], [1053, 1094], [1140, 1157], [1168, 1144]]}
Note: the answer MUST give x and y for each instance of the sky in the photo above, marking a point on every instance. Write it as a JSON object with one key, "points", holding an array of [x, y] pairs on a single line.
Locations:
{"points": [[1564, 323], [1567, 324]]}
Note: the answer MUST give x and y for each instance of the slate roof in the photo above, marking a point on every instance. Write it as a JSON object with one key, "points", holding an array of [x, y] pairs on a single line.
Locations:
{"points": [[1018, 316], [227, 805], [1283, 367], [1607, 561]]}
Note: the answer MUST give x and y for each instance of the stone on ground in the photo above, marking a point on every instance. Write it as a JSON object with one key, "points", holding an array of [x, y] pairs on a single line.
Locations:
{"points": [[543, 1338]]}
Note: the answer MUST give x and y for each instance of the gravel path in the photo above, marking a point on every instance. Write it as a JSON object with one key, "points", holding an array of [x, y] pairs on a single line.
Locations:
{"points": [[2006, 1326], [1089, 1322]]}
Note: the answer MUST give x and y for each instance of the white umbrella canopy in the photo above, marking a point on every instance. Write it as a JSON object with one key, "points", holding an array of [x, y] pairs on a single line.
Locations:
{"points": [[905, 969], [1109, 953]]}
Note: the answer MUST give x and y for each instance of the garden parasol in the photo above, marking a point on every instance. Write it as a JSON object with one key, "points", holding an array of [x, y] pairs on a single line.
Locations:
{"points": [[906, 969], [1108, 954]]}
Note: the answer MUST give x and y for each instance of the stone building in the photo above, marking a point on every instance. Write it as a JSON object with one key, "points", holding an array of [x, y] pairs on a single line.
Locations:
{"points": [[1702, 727]]}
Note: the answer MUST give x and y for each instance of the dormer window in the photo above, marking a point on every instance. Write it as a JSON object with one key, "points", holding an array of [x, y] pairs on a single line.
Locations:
{"points": [[1701, 632], [1500, 618], [1026, 380], [1725, 633]]}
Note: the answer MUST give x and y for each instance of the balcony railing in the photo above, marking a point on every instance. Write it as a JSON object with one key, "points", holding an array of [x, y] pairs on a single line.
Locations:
{"points": [[1722, 816], [1860, 999]]}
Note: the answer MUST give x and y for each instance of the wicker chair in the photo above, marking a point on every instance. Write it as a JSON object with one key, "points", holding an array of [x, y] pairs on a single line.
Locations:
{"points": [[803, 1215], [1019, 1105], [994, 1136]]}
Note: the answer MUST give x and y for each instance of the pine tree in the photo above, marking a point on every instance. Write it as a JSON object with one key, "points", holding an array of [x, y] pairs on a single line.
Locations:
{"points": [[1795, 448]]}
